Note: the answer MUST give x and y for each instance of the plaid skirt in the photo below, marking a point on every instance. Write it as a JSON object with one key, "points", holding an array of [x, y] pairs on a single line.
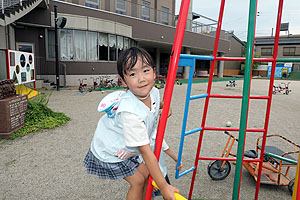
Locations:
{"points": [[105, 170]]}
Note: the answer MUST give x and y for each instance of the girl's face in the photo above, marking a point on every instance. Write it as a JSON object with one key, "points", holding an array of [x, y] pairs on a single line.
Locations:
{"points": [[140, 79]]}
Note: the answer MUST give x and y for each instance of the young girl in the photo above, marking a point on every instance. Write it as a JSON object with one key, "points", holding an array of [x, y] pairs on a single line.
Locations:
{"points": [[118, 141]]}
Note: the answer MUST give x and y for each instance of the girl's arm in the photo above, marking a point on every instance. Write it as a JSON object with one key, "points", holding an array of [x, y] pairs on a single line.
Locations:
{"points": [[170, 153], [152, 165], [161, 105]]}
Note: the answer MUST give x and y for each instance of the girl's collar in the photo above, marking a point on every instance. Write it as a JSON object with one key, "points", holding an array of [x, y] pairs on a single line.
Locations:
{"points": [[143, 98]]}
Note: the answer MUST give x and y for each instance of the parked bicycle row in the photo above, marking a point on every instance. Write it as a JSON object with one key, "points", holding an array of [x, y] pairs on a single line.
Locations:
{"points": [[99, 83]]}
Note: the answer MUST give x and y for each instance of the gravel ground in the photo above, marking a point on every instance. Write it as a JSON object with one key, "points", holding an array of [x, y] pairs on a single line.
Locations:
{"points": [[48, 164]]}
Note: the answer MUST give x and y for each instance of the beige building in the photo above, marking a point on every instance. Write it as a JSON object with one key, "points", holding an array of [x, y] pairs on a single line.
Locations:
{"points": [[288, 47], [235, 50], [96, 32]]}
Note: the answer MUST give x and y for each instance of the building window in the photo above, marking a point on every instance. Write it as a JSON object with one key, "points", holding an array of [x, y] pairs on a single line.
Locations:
{"points": [[92, 45], [88, 46], [92, 3], [120, 6], [146, 10], [164, 15], [51, 44], [267, 51], [66, 44], [120, 42], [80, 45], [103, 46], [112, 47], [133, 43], [126, 43], [289, 51]]}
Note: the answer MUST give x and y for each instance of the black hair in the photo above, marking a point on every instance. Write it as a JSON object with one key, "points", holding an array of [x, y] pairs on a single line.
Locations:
{"points": [[129, 57]]}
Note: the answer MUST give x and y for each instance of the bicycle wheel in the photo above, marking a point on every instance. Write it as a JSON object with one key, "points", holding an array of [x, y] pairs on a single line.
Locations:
{"points": [[216, 171], [287, 92]]}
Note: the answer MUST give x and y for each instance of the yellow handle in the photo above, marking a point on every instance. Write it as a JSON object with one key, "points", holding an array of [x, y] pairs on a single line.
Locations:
{"points": [[295, 192], [177, 196]]}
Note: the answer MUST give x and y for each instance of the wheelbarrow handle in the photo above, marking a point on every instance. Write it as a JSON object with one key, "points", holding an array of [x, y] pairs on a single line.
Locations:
{"points": [[227, 133], [177, 196]]}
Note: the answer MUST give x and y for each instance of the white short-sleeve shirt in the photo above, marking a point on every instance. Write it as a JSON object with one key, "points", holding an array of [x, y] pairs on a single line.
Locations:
{"points": [[134, 128]]}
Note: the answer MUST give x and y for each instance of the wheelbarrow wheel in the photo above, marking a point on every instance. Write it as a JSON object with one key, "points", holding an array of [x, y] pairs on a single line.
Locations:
{"points": [[216, 171], [291, 186]]}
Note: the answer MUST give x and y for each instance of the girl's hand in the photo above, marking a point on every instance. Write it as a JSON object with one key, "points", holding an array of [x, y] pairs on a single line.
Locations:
{"points": [[168, 192], [161, 105], [155, 189], [180, 166], [122, 154]]}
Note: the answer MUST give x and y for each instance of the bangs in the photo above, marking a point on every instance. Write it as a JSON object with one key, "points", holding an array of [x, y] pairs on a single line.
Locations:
{"points": [[129, 57], [131, 61]]}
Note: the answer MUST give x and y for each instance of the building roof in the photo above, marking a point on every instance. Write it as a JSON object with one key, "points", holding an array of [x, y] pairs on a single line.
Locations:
{"points": [[291, 39], [243, 43]]}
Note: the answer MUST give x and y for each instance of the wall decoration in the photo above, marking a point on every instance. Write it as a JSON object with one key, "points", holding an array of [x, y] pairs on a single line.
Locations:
{"points": [[32, 74], [17, 69], [22, 60], [27, 67], [23, 77], [21, 66], [12, 58], [30, 59]]}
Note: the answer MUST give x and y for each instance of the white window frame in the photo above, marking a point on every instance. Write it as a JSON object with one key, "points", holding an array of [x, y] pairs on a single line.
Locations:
{"points": [[93, 2], [115, 47], [163, 21], [289, 52], [72, 50], [147, 9], [121, 9], [47, 44], [265, 51], [89, 48], [77, 55], [99, 44]]}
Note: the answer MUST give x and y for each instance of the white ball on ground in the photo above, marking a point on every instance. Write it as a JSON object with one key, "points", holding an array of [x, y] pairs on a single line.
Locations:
{"points": [[228, 124]]}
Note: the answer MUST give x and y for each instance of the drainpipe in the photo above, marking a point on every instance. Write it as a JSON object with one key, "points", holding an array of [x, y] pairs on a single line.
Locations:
{"points": [[8, 36], [2, 7], [221, 66]]}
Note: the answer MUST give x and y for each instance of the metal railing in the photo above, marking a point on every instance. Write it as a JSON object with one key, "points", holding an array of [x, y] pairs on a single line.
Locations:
{"points": [[9, 3], [157, 15]]}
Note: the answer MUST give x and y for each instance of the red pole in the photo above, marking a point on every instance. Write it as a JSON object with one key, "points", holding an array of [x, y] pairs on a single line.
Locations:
{"points": [[8, 64], [212, 67], [280, 6], [298, 186], [175, 54]]}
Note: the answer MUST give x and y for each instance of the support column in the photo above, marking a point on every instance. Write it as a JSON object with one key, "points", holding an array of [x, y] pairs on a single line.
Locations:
{"points": [[189, 22], [221, 66], [157, 55], [186, 69]]}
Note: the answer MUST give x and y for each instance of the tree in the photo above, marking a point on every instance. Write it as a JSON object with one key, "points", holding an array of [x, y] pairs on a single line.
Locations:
{"points": [[255, 64]]}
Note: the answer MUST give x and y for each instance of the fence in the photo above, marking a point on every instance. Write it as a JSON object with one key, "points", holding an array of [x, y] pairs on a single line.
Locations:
{"points": [[9, 3]]}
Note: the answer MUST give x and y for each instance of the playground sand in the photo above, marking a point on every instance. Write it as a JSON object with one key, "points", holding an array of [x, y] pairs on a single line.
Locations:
{"points": [[48, 164]]}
